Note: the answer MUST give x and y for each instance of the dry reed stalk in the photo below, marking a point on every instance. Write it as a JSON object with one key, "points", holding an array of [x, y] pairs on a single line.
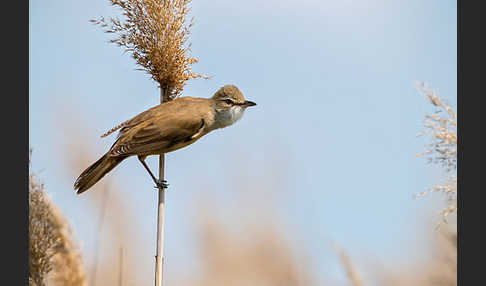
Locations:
{"points": [[53, 257], [443, 149], [351, 271], [156, 32], [100, 228], [159, 256], [120, 271]]}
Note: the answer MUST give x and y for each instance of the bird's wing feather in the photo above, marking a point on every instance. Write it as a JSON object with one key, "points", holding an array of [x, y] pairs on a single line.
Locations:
{"points": [[157, 133]]}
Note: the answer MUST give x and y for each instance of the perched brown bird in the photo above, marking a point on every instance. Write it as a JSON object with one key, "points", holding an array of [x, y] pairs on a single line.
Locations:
{"points": [[167, 127]]}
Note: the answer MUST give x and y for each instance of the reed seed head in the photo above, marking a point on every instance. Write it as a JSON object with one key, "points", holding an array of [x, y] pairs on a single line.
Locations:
{"points": [[155, 32]]}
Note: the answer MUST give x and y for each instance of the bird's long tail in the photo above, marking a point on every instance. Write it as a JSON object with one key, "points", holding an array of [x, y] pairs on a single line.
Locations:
{"points": [[95, 172]]}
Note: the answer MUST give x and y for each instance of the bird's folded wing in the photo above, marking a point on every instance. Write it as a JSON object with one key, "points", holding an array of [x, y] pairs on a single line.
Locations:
{"points": [[133, 121], [155, 135]]}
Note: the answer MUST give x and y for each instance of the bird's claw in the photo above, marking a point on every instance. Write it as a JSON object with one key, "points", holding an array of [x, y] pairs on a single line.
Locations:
{"points": [[161, 184]]}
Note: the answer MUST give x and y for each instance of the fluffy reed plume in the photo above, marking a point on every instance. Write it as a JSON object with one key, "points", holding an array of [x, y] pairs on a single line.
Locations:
{"points": [[53, 258], [155, 32], [442, 127]]}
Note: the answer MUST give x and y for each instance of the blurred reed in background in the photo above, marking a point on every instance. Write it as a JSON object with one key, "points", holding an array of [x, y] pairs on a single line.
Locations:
{"points": [[53, 256]]}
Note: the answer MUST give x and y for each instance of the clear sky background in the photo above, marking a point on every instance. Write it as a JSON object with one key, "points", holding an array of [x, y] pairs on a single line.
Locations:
{"points": [[331, 143]]}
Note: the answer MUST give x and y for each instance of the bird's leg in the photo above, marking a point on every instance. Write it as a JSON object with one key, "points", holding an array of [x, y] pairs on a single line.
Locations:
{"points": [[161, 184]]}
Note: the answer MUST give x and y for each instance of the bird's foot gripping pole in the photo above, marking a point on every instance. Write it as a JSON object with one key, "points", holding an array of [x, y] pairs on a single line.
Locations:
{"points": [[159, 184]]}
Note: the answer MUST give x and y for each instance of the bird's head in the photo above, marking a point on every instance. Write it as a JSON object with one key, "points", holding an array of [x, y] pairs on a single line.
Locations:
{"points": [[229, 104]]}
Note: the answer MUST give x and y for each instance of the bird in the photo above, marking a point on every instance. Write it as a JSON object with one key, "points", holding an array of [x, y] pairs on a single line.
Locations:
{"points": [[164, 128]]}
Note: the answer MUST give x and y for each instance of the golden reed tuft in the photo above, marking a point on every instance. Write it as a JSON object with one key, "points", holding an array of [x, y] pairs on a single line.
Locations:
{"points": [[53, 258], [155, 32]]}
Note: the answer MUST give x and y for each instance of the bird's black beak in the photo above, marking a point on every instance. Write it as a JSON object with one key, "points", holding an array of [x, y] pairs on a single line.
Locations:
{"points": [[249, 103]]}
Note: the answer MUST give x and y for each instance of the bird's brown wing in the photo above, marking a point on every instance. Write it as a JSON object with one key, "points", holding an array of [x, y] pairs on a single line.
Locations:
{"points": [[133, 121], [156, 134]]}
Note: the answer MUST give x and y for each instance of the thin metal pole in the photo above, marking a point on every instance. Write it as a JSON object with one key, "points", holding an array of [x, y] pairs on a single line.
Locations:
{"points": [[159, 257]]}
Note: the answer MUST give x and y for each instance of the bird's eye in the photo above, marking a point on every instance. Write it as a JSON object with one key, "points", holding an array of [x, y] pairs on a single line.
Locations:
{"points": [[229, 101]]}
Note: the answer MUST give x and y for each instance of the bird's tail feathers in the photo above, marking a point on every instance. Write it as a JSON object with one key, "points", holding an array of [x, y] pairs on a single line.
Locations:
{"points": [[95, 172]]}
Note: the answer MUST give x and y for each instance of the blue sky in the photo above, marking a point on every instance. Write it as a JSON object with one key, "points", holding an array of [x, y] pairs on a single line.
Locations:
{"points": [[333, 133]]}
